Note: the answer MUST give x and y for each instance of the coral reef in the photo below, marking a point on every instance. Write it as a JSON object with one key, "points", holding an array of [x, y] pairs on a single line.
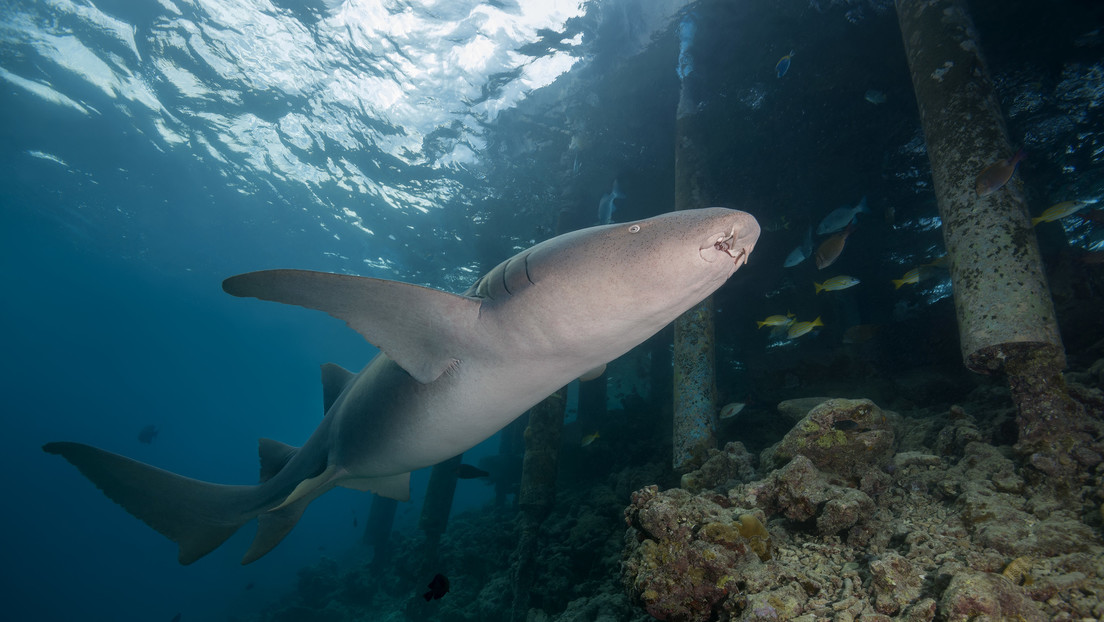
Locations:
{"points": [[945, 526], [918, 516], [686, 554]]}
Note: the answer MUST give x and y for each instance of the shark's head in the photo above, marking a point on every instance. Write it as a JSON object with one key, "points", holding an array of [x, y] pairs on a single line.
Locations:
{"points": [[624, 278]]}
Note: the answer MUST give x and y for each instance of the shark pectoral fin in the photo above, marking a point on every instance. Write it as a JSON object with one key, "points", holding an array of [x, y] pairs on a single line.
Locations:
{"points": [[197, 515], [395, 487], [334, 379], [594, 373], [424, 330]]}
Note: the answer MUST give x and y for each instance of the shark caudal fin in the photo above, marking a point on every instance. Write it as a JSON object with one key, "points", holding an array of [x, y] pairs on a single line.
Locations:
{"points": [[198, 516]]}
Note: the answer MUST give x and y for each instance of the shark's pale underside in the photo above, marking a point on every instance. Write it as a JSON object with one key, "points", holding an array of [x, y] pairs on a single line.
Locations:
{"points": [[452, 371]]}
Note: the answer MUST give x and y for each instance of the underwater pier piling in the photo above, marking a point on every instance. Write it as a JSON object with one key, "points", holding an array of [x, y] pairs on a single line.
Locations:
{"points": [[1006, 318], [592, 403], [436, 509], [695, 376], [377, 530], [537, 494]]}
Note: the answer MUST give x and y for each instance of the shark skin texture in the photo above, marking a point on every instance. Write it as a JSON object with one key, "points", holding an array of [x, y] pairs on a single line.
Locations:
{"points": [[453, 369]]}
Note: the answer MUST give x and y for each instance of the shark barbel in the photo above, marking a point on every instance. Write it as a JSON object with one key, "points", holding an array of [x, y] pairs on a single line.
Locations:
{"points": [[452, 369]]}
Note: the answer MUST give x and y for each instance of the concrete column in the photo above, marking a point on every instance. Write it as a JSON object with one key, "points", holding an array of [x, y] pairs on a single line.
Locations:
{"points": [[1006, 318], [695, 382], [377, 530], [436, 510]]}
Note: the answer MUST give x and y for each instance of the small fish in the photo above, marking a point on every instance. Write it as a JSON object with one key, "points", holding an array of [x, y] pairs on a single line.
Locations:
{"points": [[829, 250], [875, 97], [176, 618], [438, 587], [798, 329], [606, 206], [840, 217], [731, 410], [467, 471], [249, 586], [860, 333], [588, 439], [147, 434], [1060, 210], [783, 64], [845, 425], [997, 174], [911, 277], [777, 320], [801, 253], [836, 283]]}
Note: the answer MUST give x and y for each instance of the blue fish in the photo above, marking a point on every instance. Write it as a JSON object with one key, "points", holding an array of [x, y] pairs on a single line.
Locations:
{"points": [[784, 64], [840, 217], [802, 252], [606, 207]]}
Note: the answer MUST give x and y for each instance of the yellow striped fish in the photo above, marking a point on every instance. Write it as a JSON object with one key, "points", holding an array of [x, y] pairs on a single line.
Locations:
{"points": [[1060, 210], [836, 283], [777, 320], [798, 329]]}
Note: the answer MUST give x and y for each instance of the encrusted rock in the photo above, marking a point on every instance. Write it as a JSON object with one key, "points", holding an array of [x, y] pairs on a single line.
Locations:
{"points": [[783, 603], [974, 595], [896, 583], [800, 492], [844, 510], [723, 468], [843, 437], [684, 554], [1002, 520]]}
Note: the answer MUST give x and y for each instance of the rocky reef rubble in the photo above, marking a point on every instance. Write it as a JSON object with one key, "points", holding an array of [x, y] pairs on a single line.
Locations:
{"points": [[871, 515]]}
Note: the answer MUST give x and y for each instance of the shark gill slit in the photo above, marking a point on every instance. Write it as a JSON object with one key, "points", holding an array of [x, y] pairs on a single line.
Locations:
{"points": [[505, 271], [527, 277]]}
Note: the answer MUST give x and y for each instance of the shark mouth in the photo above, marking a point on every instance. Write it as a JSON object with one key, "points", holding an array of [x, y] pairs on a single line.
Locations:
{"points": [[726, 243]]}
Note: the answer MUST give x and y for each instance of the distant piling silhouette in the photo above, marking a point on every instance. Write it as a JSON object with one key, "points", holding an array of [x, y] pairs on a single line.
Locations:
{"points": [[538, 493], [377, 530], [1006, 318], [436, 510]]}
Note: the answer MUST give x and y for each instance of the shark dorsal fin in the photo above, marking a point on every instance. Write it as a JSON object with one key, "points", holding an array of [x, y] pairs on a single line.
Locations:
{"points": [[423, 330], [274, 455], [334, 379]]}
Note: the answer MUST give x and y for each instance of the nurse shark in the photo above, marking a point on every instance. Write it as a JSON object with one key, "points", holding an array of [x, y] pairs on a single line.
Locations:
{"points": [[452, 369]]}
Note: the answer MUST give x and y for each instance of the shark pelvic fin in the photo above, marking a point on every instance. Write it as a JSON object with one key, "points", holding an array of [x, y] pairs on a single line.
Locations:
{"points": [[395, 487], [272, 526], [424, 330], [312, 487], [198, 516]]}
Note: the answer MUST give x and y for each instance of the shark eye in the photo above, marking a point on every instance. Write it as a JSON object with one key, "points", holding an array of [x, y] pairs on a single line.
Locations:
{"points": [[634, 229]]}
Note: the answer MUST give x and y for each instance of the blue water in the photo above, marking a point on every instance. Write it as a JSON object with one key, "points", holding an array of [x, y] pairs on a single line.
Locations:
{"points": [[148, 150]]}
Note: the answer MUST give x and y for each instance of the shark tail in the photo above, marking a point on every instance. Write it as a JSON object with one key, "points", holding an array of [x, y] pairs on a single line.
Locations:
{"points": [[198, 516]]}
